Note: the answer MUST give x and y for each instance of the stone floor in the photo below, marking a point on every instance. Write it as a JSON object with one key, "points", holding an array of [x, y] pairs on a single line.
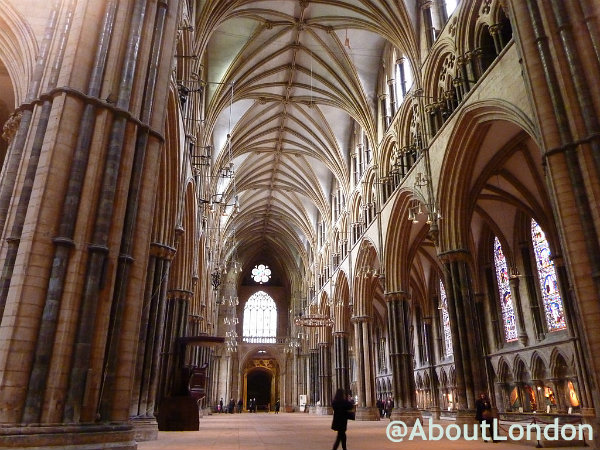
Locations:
{"points": [[296, 431]]}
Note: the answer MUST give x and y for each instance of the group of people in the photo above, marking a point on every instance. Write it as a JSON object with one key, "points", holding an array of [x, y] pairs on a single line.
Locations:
{"points": [[343, 410], [231, 406], [385, 407]]}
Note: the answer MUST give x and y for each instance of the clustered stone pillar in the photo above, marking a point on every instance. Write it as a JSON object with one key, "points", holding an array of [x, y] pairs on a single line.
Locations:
{"points": [[559, 44], [314, 377], [325, 377], [150, 342], [363, 335], [399, 324], [94, 163], [466, 335], [341, 361], [303, 385], [176, 318], [428, 332]]}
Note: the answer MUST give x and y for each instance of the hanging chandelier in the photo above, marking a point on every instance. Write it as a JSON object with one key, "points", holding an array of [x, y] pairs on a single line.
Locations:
{"points": [[231, 341], [314, 320], [291, 344]]}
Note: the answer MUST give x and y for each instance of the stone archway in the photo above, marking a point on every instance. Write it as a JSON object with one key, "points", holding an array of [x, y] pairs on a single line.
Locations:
{"points": [[261, 381], [259, 386]]}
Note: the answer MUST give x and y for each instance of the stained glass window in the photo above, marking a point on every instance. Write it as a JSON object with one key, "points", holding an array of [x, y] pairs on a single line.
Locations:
{"points": [[508, 311], [260, 318], [446, 321], [261, 273], [553, 305]]}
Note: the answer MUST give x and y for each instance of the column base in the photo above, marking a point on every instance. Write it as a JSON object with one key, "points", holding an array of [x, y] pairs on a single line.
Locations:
{"points": [[465, 416], [408, 416], [435, 412], [145, 428], [367, 413], [70, 437], [178, 414], [324, 410]]}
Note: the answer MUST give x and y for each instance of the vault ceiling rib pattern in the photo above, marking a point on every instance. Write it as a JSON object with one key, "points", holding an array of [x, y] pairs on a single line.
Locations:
{"points": [[298, 84]]}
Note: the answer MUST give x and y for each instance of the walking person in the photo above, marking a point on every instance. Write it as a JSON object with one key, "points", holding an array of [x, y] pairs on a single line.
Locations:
{"points": [[342, 411], [277, 406], [484, 414]]}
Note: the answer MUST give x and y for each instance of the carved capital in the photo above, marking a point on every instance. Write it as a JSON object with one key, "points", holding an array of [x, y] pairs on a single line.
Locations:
{"points": [[459, 254], [162, 251], [396, 296]]}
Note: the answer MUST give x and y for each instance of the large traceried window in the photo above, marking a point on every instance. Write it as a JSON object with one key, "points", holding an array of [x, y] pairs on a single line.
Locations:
{"points": [[553, 304], [450, 6], [260, 318], [508, 311], [448, 350]]}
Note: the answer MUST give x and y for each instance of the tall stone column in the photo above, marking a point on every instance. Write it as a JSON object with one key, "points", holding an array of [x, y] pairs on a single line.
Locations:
{"points": [[466, 334], [434, 393], [313, 373], [303, 384], [341, 361], [150, 343], [366, 409], [325, 378], [399, 324], [175, 327], [559, 44], [292, 404], [78, 186]]}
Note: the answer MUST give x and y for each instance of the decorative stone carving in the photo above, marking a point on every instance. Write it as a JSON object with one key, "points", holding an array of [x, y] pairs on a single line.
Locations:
{"points": [[11, 126]]}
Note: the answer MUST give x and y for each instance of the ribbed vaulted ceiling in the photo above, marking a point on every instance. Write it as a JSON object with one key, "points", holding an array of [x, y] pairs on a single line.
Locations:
{"points": [[287, 80]]}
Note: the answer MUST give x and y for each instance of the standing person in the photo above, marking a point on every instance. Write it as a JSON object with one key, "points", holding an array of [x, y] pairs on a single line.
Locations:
{"points": [[240, 405], [484, 413], [231, 406], [220, 407], [342, 408], [379, 405], [277, 405]]}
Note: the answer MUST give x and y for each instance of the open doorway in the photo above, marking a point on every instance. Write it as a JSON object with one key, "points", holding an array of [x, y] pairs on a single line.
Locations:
{"points": [[260, 384]]}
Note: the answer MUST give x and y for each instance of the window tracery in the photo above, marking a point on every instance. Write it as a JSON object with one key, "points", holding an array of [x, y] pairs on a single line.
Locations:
{"points": [[552, 300], [506, 303], [260, 318], [448, 349]]}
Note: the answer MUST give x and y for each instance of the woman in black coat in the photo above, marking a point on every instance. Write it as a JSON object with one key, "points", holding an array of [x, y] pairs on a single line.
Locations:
{"points": [[341, 409]]}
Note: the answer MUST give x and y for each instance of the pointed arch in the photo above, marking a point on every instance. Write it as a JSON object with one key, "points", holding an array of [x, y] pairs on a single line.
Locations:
{"points": [[260, 318]]}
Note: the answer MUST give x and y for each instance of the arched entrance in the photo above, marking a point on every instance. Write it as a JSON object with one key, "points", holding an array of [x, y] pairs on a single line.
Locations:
{"points": [[259, 387], [261, 383]]}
